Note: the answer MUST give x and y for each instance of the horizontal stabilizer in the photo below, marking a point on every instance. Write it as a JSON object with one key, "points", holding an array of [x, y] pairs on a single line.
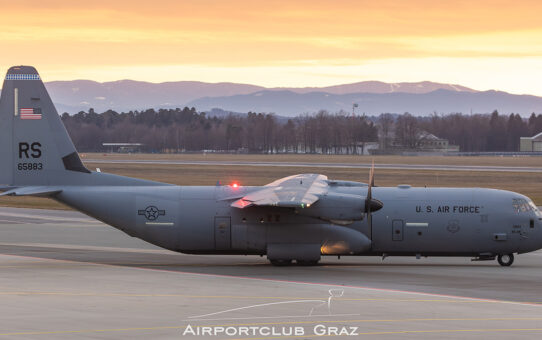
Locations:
{"points": [[32, 191]]}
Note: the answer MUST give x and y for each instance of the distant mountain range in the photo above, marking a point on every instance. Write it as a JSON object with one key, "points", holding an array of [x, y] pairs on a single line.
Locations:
{"points": [[373, 97], [288, 103]]}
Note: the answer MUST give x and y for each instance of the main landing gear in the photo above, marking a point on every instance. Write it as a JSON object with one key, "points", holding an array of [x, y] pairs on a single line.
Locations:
{"points": [[283, 263], [505, 260]]}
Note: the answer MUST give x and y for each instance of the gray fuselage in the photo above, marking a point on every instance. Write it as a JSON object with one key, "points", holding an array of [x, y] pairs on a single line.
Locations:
{"points": [[413, 221]]}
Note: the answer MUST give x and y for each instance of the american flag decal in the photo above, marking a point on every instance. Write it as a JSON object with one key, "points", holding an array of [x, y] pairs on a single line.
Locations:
{"points": [[30, 113]]}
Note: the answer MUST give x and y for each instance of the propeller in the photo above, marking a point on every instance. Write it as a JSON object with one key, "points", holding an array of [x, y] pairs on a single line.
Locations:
{"points": [[371, 204]]}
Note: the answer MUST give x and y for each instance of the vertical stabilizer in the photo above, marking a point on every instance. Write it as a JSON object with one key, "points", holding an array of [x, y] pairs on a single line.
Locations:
{"points": [[34, 146]]}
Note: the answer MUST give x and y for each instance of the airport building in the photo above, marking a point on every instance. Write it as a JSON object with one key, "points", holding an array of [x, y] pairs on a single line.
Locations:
{"points": [[425, 142], [123, 147], [428, 141], [531, 144]]}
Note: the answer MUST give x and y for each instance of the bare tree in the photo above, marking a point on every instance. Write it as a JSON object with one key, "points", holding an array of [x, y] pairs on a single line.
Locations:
{"points": [[385, 122]]}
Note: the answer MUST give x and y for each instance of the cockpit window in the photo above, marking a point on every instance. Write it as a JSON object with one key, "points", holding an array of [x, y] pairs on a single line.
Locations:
{"points": [[521, 205]]}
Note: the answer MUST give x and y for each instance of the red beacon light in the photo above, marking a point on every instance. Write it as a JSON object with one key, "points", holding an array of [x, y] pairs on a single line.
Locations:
{"points": [[235, 185]]}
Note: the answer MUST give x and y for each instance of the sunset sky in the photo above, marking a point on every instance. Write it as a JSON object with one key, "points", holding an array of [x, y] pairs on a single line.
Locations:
{"points": [[480, 44]]}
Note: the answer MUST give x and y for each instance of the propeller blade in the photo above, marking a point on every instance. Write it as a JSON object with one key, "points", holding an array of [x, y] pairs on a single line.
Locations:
{"points": [[370, 218], [369, 198], [370, 203], [371, 181]]}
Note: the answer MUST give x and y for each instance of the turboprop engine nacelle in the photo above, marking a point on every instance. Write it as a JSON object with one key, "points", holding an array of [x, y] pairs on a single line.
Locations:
{"points": [[333, 207]]}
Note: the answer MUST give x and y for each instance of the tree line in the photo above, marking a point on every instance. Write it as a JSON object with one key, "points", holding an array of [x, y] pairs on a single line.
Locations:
{"points": [[477, 132], [186, 130]]}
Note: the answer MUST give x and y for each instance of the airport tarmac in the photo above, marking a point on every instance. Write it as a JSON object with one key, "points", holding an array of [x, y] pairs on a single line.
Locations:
{"points": [[66, 276], [327, 165]]}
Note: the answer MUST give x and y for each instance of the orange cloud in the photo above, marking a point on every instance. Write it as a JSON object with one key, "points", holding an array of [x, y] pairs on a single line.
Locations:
{"points": [[70, 36]]}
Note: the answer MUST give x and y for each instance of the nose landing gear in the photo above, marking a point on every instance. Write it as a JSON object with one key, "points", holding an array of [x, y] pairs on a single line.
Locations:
{"points": [[505, 260]]}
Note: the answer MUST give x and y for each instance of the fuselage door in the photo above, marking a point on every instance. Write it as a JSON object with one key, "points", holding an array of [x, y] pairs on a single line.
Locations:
{"points": [[222, 233], [397, 230]]}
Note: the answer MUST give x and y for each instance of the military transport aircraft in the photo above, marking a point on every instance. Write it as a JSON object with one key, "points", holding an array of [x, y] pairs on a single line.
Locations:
{"points": [[300, 217]]}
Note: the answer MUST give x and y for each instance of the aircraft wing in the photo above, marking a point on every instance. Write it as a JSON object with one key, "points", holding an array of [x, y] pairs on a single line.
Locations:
{"points": [[293, 191]]}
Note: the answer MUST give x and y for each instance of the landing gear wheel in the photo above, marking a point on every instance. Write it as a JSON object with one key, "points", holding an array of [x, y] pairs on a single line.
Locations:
{"points": [[307, 262], [505, 260], [281, 263]]}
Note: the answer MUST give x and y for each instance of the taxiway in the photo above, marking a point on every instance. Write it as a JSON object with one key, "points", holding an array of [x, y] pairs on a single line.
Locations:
{"points": [[326, 165], [64, 275]]}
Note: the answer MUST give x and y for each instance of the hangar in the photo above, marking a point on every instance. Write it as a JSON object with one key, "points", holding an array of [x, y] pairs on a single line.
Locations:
{"points": [[528, 144]]}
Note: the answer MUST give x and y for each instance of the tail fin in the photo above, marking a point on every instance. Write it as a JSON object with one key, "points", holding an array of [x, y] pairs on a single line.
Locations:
{"points": [[35, 148]]}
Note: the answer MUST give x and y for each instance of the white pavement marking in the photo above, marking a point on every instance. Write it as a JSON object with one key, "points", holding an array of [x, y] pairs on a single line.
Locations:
{"points": [[49, 217], [82, 247], [10, 221]]}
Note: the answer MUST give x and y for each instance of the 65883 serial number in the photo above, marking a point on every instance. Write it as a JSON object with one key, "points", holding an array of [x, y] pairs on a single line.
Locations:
{"points": [[29, 166]]}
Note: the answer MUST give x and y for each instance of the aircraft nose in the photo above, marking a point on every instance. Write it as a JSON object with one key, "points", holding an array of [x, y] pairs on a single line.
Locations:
{"points": [[375, 205]]}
